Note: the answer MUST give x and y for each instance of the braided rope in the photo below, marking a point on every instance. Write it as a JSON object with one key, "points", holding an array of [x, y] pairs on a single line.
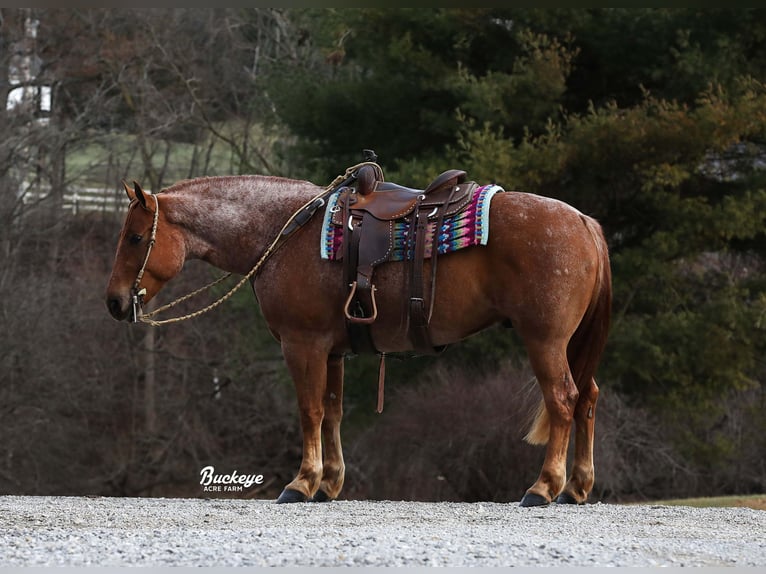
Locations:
{"points": [[152, 240], [280, 238]]}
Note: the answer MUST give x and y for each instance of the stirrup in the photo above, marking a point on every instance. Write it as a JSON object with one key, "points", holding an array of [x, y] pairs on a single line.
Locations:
{"points": [[362, 320]]}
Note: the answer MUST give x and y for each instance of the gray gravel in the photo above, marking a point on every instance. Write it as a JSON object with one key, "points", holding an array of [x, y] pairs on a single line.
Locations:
{"points": [[81, 531]]}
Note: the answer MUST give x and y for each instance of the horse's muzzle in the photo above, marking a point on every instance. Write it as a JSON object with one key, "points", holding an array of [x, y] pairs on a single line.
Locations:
{"points": [[119, 307]]}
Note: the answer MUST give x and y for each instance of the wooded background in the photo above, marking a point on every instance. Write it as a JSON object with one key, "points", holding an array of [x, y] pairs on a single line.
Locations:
{"points": [[651, 120]]}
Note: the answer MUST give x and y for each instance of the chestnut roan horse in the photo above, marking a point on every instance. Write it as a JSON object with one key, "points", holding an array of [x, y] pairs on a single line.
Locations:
{"points": [[545, 269]]}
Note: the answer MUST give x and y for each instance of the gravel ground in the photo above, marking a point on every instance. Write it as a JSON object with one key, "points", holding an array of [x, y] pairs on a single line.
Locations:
{"points": [[81, 531]]}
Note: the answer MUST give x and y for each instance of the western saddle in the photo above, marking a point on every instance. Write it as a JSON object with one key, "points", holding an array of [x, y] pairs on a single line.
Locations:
{"points": [[367, 213]]}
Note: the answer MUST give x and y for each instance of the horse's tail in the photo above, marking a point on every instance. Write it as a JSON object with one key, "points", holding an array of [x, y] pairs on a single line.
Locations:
{"points": [[587, 344]]}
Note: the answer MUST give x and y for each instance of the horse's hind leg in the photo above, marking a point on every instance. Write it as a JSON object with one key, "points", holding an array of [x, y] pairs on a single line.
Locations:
{"points": [[581, 480], [551, 369], [333, 470]]}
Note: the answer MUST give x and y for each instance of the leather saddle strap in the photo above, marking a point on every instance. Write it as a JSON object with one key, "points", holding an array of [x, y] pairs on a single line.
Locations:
{"points": [[359, 334], [435, 248], [420, 318], [349, 254]]}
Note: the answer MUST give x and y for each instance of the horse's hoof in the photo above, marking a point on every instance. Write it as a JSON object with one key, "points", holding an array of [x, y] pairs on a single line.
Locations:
{"points": [[532, 499], [320, 496], [566, 498], [289, 495]]}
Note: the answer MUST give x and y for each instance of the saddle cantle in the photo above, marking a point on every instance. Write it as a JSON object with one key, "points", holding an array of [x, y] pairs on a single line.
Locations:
{"points": [[368, 213]]}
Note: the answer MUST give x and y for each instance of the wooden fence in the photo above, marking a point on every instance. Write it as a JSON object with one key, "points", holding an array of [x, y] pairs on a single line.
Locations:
{"points": [[80, 200]]}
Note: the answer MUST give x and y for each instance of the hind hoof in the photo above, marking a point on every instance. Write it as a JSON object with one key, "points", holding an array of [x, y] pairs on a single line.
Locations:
{"points": [[289, 496], [532, 499], [320, 496], [566, 498]]}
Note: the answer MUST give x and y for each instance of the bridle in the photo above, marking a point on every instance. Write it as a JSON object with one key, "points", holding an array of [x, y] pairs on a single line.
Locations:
{"points": [[137, 295]]}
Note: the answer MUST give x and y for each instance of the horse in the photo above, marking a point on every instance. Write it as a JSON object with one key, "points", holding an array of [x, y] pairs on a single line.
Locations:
{"points": [[545, 269]]}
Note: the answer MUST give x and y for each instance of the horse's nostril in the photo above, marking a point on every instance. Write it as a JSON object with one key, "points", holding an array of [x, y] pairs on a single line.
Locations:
{"points": [[115, 307]]}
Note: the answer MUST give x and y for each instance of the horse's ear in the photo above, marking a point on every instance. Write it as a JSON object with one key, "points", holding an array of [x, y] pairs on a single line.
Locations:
{"points": [[140, 194], [131, 194]]}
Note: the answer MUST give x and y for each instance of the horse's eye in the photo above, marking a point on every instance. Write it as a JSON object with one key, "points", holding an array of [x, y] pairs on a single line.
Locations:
{"points": [[135, 239]]}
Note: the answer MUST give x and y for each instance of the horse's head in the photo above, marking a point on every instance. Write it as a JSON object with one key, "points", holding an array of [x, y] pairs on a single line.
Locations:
{"points": [[151, 251]]}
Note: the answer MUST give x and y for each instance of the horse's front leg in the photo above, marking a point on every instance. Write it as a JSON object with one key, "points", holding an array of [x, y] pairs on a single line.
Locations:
{"points": [[334, 469], [307, 362]]}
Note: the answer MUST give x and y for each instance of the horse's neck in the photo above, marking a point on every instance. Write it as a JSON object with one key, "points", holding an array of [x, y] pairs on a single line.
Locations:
{"points": [[230, 221]]}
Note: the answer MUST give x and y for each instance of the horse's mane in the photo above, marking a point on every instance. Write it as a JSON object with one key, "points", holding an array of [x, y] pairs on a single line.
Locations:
{"points": [[239, 200], [237, 184]]}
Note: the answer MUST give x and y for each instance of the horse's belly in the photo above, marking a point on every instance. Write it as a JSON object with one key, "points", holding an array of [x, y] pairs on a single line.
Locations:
{"points": [[462, 301]]}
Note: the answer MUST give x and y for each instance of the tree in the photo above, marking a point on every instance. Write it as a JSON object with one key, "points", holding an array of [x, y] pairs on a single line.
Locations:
{"points": [[80, 413], [651, 120]]}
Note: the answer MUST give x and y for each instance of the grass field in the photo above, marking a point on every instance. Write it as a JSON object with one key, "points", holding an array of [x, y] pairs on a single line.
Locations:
{"points": [[101, 157], [756, 501]]}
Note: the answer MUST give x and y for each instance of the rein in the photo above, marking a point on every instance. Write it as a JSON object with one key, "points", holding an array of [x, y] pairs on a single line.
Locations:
{"points": [[294, 222]]}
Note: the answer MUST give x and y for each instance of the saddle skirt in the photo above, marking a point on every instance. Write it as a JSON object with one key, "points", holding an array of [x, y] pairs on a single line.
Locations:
{"points": [[465, 223]]}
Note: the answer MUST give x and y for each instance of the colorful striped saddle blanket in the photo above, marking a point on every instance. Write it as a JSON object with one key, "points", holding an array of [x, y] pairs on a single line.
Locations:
{"points": [[469, 226]]}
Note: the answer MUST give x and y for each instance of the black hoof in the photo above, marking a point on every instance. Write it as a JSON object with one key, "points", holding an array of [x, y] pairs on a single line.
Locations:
{"points": [[566, 498], [532, 499], [288, 495], [320, 496]]}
